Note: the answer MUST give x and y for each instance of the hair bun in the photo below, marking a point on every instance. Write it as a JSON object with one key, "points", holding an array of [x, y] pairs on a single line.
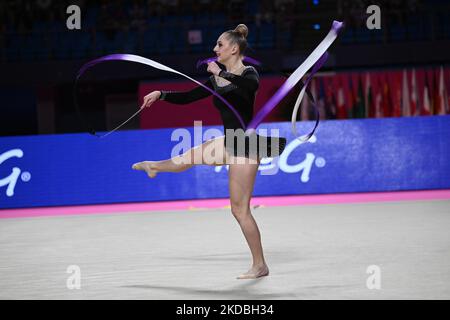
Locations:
{"points": [[242, 30]]}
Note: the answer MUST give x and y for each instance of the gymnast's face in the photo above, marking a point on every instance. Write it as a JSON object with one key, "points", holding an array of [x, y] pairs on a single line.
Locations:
{"points": [[224, 49]]}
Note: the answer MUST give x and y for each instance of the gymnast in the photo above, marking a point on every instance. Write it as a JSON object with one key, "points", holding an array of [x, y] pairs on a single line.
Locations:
{"points": [[238, 84]]}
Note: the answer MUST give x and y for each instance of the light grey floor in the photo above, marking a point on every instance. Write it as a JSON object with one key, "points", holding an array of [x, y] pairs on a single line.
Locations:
{"points": [[313, 252]]}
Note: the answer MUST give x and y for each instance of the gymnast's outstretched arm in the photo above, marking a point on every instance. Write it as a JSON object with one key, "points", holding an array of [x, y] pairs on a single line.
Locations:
{"points": [[185, 97]]}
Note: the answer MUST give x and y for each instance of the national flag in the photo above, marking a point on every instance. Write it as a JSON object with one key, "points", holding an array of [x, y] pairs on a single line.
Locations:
{"points": [[360, 108], [378, 97], [447, 87], [341, 110], [368, 97], [330, 105], [415, 110], [396, 93], [312, 111], [433, 90], [406, 105], [321, 100], [442, 99], [350, 95], [426, 109], [386, 102]]}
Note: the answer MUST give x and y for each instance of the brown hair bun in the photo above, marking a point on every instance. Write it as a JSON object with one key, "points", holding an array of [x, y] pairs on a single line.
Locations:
{"points": [[242, 30]]}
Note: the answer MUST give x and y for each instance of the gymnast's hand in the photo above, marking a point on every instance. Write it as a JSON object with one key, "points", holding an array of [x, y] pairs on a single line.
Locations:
{"points": [[150, 98], [214, 68]]}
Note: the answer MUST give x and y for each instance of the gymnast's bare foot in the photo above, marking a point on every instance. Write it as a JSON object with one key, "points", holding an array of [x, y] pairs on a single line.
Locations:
{"points": [[147, 166], [255, 272]]}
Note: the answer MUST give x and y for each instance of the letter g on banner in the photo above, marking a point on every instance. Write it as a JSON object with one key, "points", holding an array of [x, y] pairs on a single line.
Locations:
{"points": [[10, 180]]}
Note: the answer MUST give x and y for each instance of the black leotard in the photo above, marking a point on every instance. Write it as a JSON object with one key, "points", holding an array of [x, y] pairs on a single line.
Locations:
{"points": [[240, 93]]}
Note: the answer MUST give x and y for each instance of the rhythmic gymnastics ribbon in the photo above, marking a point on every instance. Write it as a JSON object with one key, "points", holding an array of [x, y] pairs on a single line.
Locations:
{"points": [[317, 66], [157, 65], [316, 60], [151, 63]]}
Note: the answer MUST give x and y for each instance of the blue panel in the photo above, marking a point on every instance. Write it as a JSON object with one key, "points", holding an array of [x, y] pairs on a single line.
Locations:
{"points": [[344, 156]]}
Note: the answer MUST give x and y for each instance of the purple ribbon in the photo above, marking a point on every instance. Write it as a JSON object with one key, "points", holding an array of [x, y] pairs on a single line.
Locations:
{"points": [[268, 106], [292, 80], [282, 92], [145, 61]]}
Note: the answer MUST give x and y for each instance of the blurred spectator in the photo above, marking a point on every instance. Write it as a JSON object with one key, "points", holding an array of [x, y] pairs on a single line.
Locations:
{"points": [[266, 14], [170, 6], [137, 16], [204, 3], [395, 12], [113, 17], [155, 8], [283, 5], [236, 9], [21, 16], [286, 8], [218, 6], [412, 5]]}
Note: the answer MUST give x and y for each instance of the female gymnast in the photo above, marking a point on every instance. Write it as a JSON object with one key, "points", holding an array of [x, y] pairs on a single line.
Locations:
{"points": [[238, 85]]}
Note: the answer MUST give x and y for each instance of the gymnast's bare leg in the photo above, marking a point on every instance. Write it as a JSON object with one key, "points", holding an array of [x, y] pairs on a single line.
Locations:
{"points": [[210, 152], [241, 182], [242, 174]]}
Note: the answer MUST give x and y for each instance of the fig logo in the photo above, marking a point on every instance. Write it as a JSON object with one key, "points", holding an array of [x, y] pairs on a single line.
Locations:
{"points": [[11, 180], [306, 165], [271, 166]]}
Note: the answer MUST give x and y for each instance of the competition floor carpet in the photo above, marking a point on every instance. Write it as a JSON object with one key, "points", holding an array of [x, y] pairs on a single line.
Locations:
{"points": [[314, 251]]}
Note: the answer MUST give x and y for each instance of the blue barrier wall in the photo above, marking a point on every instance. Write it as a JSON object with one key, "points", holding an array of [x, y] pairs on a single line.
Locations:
{"points": [[343, 156]]}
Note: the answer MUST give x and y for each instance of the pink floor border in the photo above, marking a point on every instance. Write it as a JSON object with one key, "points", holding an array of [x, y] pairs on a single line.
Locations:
{"points": [[186, 205]]}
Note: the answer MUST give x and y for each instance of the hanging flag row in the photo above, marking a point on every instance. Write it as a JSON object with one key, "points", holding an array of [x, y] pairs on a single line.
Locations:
{"points": [[378, 94]]}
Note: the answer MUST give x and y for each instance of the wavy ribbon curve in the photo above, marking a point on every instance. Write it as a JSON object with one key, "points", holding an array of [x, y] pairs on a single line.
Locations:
{"points": [[315, 61]]}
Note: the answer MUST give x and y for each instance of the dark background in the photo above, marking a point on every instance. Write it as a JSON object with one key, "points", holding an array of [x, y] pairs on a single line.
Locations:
{"points": [[40, 57]]}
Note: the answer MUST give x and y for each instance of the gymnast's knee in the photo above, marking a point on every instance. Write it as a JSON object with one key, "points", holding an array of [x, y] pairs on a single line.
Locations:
{"points": [[240, 209], [182, 162]]}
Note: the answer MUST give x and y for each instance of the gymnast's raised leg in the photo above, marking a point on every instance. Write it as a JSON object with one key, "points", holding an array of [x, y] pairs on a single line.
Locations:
{"points": [[211, 152], [242, 174]]}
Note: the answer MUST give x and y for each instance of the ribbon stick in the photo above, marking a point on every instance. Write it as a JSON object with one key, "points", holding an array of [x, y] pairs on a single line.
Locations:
{"points": [[317, 58], [316, 67]]}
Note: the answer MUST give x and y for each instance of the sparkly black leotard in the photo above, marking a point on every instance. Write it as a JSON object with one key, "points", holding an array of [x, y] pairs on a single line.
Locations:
{"points": [[240, 93]]}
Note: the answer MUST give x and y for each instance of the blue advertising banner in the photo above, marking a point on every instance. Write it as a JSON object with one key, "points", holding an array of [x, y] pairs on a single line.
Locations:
{"points": [[364, 155]]}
